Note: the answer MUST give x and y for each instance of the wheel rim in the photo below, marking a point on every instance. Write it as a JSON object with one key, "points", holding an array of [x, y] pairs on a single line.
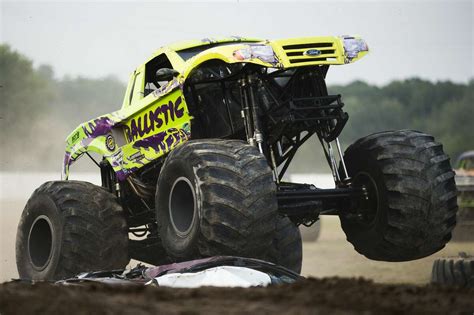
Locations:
{"points": [[40, 242], [367, 213], [182, 206]]}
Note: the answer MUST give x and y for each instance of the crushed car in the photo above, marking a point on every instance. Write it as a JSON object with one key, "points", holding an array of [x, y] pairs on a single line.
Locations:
{"points": [[217, 271]]}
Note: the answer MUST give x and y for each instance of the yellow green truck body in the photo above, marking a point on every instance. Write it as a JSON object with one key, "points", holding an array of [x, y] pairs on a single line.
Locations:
{"points": [[151, 123]]}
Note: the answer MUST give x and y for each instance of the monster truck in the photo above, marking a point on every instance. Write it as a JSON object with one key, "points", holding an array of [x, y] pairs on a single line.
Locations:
{"points": [[193, 163]]}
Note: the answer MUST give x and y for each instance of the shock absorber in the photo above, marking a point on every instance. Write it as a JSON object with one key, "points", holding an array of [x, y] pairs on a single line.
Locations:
{"points": [[246, 112], [258, 136], [250, 112], [339, 179], [341, 158]]}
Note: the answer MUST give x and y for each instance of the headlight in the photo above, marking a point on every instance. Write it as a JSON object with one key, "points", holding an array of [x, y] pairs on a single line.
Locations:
{"points": [[263, 52], [353, 46]]}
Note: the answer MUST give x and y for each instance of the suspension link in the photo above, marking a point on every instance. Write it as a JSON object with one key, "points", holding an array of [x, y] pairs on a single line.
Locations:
{"points": [[333, 162]]}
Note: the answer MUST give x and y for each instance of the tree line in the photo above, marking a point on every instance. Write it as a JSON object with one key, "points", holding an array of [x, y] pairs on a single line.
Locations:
{"points": [[37, 111]]}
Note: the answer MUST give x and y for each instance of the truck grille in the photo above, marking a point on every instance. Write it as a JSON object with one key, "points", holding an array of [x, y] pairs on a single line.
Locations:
{"points": [[296, 52]]}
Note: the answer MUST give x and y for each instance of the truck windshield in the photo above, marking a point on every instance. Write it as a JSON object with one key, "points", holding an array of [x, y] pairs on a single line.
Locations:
{"points": [[188, 53]]}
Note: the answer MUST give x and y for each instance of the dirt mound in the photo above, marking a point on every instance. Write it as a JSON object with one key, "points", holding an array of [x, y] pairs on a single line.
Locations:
{"points": [[334, 295]]}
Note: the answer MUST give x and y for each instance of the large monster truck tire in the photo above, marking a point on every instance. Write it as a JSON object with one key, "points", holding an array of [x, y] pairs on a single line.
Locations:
{"points": [[216, 197], [287, 248], [411, 206], [68, 227], [458, 271]]}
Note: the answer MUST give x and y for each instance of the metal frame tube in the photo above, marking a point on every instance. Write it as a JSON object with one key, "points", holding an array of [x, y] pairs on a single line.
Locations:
{"points": [[341, 157], [335, 173]]}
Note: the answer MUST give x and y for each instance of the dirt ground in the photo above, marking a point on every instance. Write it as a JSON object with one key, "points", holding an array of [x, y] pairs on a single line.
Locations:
{"points": [[312, 296], [332, 256], [389, 288], [392, 288]]}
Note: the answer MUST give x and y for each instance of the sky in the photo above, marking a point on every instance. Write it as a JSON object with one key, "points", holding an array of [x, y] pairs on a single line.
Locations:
{"points": [[419, 38]]}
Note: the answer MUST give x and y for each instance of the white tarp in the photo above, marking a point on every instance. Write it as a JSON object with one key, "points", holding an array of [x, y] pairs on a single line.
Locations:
{"points": [[222, 276]]}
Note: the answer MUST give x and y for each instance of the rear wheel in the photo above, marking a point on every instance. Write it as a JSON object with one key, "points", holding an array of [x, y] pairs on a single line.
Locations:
{"points": [[216, 197], [68, 227], [411, 206]]}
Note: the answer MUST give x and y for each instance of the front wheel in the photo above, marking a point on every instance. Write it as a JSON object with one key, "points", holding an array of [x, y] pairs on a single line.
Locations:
{"points": [[68, 227], [216, 197], [411, 206]]}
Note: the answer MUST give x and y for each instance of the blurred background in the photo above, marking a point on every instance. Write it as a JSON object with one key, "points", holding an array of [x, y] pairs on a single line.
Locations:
{"points": [[62, 63]]}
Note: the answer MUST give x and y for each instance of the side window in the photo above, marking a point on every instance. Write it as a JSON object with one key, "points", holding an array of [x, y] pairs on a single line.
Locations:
{"points": [[151, 84]]}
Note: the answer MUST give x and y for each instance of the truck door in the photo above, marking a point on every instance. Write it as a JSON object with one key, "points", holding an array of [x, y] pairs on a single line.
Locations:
{"points": [[160, 120]]}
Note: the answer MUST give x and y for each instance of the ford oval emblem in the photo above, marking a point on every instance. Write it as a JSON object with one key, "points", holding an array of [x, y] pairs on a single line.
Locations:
{"points": [[312, 52]]}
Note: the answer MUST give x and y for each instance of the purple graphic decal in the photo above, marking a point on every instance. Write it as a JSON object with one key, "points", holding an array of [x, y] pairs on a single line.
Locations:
{"points": [[156, 142], [99, 127], [123, 173], [163, 141], [67, 157], [68, 160]]}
